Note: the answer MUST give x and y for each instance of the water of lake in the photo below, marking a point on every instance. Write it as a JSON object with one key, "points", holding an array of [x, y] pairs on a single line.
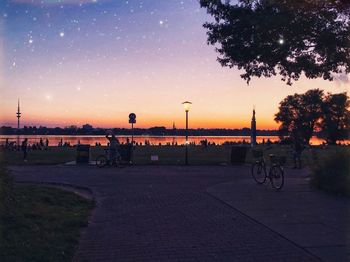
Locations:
{"points": [[153, 140]]}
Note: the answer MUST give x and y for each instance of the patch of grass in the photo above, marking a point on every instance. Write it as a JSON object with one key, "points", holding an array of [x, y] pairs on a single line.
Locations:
{"points": [[5, 196], [332, 174], [175, 155], [5, 189], [172, 155], [168, 155], [55, 155], [43, 224]]}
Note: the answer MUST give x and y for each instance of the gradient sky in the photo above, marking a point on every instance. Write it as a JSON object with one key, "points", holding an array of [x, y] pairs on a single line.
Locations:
{"points": [[95, 61]]}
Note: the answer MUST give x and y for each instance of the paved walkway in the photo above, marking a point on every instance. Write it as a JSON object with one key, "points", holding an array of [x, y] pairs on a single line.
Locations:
{"points": [[316, 221], [158, 213]]}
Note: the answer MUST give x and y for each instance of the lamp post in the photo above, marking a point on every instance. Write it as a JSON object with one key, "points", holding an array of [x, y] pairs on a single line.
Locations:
{"points": [[187, 106]]}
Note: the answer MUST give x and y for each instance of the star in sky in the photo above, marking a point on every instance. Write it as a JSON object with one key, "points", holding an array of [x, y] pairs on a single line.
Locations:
{"points": [[95, 57]]}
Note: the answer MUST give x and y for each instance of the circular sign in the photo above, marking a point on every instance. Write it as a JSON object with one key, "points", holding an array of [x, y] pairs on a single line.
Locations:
{"points": [[132, 118]]}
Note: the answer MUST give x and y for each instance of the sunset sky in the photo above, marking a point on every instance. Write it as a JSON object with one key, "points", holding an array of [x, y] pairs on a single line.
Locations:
{"points": [[96, 61]]}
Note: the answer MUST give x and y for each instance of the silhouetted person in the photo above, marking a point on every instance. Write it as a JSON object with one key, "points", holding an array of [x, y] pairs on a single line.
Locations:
{"points": [[24, 148], [298, 148], [47, 144], [112, 148], [41, 143]]}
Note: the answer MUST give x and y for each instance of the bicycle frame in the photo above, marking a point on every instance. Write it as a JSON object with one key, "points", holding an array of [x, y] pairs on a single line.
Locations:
{"points": [[274, 168]]}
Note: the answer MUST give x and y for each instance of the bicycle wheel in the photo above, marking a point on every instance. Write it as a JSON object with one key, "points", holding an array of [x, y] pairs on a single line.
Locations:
{"points": [[277, 177], [258, 172], [101, 161]]}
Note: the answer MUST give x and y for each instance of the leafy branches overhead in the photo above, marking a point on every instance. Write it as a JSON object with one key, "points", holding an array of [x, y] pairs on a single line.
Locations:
{"points": [[270, 37]]}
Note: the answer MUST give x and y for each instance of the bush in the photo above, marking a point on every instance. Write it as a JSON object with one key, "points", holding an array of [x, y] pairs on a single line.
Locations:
{"points": [[5, 190], [333, 173]]}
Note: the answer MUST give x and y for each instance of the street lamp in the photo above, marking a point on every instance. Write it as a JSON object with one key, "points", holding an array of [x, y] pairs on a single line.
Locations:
{"points": [[187, 106]]}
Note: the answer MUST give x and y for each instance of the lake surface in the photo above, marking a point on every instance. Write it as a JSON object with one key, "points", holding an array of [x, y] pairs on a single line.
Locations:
{"points": [[153, 140]]}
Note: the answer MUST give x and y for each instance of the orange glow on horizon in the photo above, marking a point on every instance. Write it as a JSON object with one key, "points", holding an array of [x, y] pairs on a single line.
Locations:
{"points": [[194, 123]]}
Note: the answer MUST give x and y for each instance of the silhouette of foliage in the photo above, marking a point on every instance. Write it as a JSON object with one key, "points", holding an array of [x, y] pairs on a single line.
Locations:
{"points": [[332, 174], [335, 122], [270, 37], [299, 114]]}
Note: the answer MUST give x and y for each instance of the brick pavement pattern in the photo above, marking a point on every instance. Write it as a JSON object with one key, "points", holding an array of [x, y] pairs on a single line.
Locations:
{"points": [[158, 213]]}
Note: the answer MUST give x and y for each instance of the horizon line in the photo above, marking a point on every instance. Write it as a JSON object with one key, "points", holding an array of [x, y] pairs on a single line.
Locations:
{"points": [[81, 127]]}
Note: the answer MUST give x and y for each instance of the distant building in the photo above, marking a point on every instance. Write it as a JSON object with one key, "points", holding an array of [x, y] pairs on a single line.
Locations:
{"points": [[87, 127], [253, 130]]}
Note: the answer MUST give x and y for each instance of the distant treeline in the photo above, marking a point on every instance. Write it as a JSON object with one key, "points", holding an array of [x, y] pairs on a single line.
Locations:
{"points": [[155, 131]]}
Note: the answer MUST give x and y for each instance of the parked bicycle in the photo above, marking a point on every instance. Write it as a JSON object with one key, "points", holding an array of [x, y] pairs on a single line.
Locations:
{"points": [[103, 160], [275, 173]]}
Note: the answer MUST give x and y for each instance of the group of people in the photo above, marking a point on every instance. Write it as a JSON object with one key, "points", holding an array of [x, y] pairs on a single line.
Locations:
{"points": [[24, 146], [65, 144], [113, 144], [41, 145]]}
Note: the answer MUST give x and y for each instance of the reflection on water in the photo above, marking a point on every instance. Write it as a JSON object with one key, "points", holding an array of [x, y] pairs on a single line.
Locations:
{"points": [[153, 140]]}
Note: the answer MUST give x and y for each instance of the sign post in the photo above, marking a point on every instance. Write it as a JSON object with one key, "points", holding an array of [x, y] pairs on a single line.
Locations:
{"points": [[132, 121]]}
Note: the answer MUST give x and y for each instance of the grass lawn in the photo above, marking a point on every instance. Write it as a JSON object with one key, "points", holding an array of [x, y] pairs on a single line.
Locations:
{"points": [[55, 155], [170, 155], [42, 224], [175, 155]]}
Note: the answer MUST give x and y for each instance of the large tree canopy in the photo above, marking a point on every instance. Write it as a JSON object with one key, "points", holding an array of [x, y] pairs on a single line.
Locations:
{"points": [[335, 122], [300, 115], [285, 37]]}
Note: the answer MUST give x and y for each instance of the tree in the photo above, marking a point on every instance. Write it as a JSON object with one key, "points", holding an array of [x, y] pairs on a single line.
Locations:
{"points": [[299, 114], [270, 37], [335, 121]]}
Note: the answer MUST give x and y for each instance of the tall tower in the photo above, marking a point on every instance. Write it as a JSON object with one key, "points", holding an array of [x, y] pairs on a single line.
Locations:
{"points": [[253, 130], [18, 123], [18, 115]]}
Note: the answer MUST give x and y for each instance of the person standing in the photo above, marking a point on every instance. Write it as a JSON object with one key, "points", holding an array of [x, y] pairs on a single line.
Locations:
{"points": [[47, 144], [112, 148], [41, 142], [24, 148], [298, 149]]}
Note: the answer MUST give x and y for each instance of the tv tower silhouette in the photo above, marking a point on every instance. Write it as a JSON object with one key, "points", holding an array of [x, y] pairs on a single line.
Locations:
{"points": [[18, 115], [18, 121]]}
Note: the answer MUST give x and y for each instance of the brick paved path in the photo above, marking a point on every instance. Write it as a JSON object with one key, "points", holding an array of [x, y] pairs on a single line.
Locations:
{"points": [[166, 214]]}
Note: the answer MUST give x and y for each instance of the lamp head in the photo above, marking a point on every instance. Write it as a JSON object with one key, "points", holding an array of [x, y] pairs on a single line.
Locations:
{"points": [[187, 105]]}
